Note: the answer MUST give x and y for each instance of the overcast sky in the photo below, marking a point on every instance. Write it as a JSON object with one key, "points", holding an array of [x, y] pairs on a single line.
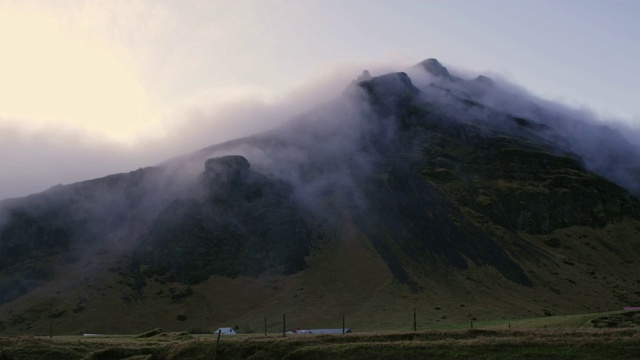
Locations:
{"points": [[89, 88]]}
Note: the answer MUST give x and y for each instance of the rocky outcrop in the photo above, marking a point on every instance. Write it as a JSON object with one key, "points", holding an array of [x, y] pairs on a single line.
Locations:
{"points": [[433, 67], [390, 92], [224, 174], [230, 167], [245, 224]]}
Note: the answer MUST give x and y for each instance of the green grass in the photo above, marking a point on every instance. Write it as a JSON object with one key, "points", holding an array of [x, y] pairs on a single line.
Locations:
{"points": [[554, 337], [578, 321]]}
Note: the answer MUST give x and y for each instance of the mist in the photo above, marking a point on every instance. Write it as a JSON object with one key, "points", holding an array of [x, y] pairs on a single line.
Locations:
{"points": [[606, 146], [317, 117], [324, 141], [321, 141], [34, 158]]}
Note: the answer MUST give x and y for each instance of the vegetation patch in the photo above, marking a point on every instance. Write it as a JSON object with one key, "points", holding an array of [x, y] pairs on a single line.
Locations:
{"points": [[621, 320], [446, 344]]}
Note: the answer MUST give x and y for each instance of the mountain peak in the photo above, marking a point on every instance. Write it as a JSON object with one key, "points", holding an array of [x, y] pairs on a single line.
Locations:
{"points": [[434, 67], [390, 91]]}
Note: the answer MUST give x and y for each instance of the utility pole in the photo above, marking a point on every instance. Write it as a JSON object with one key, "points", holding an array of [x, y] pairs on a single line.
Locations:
{"points": [[342, 324], [265, 326], [284, 326], [415, 323]]}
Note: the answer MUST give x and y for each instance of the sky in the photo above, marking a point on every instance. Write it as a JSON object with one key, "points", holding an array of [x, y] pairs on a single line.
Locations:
{"points": [[90, 87]]}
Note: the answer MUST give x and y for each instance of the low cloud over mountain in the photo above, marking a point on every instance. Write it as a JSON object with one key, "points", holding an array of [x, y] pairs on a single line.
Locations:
{"points": [[424, 173]]}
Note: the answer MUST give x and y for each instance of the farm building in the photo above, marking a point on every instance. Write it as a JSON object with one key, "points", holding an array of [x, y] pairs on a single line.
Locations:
{"points": [[226, 331]]}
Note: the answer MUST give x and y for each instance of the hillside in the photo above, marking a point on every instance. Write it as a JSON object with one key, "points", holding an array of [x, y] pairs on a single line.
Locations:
{"points": [[413, 189]]}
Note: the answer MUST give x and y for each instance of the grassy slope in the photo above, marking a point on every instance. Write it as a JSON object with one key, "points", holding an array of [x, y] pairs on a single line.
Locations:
{"points": [[346, 277]]}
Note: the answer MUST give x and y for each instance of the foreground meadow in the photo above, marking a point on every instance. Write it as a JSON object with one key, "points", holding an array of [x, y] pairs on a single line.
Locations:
{"points": [[576, 343]]}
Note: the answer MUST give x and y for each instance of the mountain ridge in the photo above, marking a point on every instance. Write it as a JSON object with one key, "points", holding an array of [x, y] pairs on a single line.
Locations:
{"points": [[425, 184]]}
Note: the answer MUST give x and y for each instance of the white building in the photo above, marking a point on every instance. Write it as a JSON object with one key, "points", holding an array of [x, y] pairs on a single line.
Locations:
{"points": [[226, 331]]}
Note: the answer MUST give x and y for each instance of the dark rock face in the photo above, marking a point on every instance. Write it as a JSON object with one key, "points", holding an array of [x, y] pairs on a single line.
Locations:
{"points": [[26, 233], [246, 224], [231, 167], [521, 185], [415, 226], [41, 232], [433, 67], [390, 93], [223, 175]]}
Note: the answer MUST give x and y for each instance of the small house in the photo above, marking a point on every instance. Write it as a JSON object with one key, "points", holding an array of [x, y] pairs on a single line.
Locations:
{"points": [[226, 331]]}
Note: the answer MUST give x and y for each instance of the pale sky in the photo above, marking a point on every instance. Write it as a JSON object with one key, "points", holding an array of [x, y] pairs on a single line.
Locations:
{"points": [[88, 88]]}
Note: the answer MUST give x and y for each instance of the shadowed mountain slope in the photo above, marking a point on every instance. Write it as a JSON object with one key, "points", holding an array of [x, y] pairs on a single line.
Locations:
{"points": [[399, 194]]}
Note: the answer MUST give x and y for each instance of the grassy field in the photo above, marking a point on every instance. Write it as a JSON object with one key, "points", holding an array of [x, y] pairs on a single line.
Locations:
{"points": [[579, 321], [556, 337]]}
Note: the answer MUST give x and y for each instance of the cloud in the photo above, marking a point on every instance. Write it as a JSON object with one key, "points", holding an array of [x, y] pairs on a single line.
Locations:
{"points": [[37, 155], [53, 73], [33, 159]]}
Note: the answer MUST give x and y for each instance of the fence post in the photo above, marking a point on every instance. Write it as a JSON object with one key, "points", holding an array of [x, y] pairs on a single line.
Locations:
{"points": [[415, 323], [215, 353], [284, 326]]}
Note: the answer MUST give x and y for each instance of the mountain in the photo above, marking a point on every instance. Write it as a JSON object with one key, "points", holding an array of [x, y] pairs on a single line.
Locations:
{"points": [[418, 189]]}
